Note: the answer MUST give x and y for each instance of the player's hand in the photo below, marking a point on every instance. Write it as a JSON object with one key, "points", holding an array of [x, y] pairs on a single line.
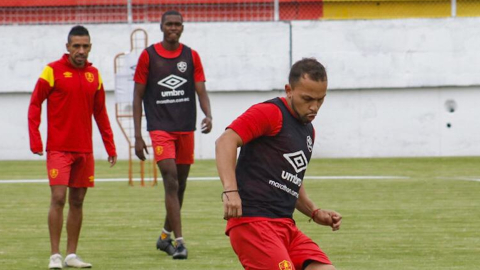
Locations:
{"points": [[140, 146], [328, 218], [206, 125], [112, 160], [39, 153], [232, 205]]}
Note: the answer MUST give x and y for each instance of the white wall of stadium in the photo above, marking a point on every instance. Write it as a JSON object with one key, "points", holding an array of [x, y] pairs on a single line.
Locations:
{"points": [[397, 87]]}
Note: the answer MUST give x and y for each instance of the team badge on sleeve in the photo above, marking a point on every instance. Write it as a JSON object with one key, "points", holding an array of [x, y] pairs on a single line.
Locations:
{"points": [[182, 66], [285, 265]]}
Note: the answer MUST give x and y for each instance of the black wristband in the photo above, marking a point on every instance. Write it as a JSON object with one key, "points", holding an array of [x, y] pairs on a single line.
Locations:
{"points": [[227, 191]]}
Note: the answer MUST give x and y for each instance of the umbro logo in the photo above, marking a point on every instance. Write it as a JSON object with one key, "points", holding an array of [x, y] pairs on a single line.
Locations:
{"points": [[172, 82], [298, 160]]}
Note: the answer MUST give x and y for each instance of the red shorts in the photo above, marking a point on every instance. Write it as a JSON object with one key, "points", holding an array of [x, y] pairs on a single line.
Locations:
{"points": [[70, 169], [176, 145], [274, 245]]}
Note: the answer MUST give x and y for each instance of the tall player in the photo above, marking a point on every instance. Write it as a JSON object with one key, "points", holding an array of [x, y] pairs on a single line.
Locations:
{"points": [[168, 77], [262, 191], [74, 90]]}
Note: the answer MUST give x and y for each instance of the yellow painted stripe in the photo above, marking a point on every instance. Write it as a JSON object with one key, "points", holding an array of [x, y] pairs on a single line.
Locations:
{"points": [[468, 8], [47, 75], [385, 9], [100, 81]]}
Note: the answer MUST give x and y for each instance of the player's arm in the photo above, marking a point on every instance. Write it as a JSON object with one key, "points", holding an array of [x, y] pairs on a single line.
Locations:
{"points": [[42, 89], [140, 78], [205, 106], [226, 156], [259, 120], [103, 123], [200, 88], [140, 146], [320, 216]]}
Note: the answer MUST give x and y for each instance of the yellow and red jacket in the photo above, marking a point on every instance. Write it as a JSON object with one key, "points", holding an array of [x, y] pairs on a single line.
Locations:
{"points": [[73, 96]]}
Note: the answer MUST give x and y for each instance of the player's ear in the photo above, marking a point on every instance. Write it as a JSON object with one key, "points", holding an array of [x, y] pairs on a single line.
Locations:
{"points": [[288, 90]]}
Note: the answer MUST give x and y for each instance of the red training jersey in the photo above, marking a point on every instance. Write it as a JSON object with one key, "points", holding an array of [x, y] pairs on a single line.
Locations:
{"points": [[141, 72], [74, 95], [263, 119]]}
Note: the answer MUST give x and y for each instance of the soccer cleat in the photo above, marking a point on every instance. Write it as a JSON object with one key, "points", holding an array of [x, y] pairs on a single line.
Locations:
{"points": [[165, 245], [55, 262], [76, 262], [180, 252]]}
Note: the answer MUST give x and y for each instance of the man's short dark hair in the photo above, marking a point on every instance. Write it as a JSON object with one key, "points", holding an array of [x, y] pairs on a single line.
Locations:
{"points": [[78, 30], [307, 66], [170, 12]]}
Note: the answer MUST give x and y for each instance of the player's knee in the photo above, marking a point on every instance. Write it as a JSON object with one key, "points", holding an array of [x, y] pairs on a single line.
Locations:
{"points": [[182, 187], [76, 203], [171, 185], [57, 201]]}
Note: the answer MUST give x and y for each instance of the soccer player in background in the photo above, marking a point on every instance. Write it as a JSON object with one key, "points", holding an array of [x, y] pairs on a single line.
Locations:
{"points": [[74, 90], [262, 189], [168, 77]]}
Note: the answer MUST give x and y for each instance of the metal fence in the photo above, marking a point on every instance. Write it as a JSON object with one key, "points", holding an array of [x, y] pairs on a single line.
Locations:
{"points": [[142, 11]]}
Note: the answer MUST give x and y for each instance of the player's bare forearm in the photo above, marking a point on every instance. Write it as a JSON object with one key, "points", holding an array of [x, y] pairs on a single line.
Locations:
{"points": [[205, 106], [138, 93], [226, 156], [320, 216], [304, 204], [140, 145]]}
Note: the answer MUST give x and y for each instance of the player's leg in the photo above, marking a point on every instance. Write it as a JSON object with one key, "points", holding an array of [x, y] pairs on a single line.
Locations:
{"points": [[80, 180], [182, 170], [164, 150], [76, 197], [55, 216], [172, 203], [182, 174], [58, 167], [306, 254], [185, 146], [168, 169], [261, 245]]}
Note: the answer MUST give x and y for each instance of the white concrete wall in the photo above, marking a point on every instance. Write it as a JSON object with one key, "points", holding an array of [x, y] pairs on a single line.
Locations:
{"points": [[389, 80], [351, 123]]}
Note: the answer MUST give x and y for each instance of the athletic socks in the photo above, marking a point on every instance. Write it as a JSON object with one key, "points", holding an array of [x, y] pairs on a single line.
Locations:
{"points": [[165, 234], [179, 240]]}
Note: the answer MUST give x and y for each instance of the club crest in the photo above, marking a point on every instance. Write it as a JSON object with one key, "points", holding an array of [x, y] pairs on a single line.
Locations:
{"points": [[285, 265], [182, 66], [309, 143], [89, 76], [53, 173]]}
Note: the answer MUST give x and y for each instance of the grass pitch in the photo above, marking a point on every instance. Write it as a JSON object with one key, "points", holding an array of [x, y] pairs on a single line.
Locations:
{"points": [[427, 220]]}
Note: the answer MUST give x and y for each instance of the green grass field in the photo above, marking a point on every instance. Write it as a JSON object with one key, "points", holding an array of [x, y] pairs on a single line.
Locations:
{"points": [[428, 220]]}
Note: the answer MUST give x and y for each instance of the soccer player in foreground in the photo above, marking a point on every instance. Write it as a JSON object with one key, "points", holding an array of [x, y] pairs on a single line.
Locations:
{"points": [[168, 77], [74, 90], [262, 191]]}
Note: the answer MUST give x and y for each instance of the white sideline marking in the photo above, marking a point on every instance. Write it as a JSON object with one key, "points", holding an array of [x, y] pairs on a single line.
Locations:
{"points": [[214, 178], [462, 178]]}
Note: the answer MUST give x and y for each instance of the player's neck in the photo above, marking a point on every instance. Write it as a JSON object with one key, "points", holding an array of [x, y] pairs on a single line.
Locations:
{"points": [[170, 46]]}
